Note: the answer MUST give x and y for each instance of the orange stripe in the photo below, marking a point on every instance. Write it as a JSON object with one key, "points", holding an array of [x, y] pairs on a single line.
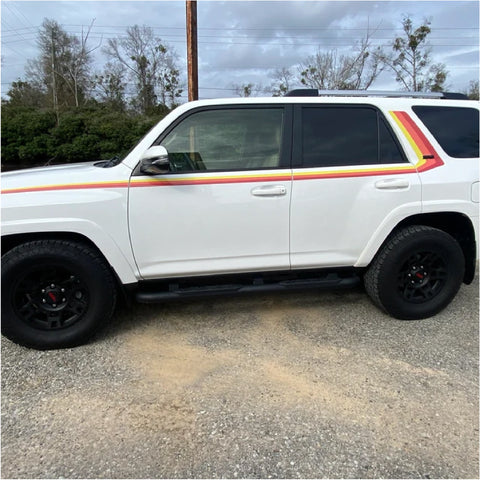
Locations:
{"points": [[208, 180], [74, 186], [350, 174], [422, 142]]}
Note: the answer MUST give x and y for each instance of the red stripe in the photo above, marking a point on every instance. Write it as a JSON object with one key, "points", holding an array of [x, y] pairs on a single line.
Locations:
{"points": [[422, 142]]}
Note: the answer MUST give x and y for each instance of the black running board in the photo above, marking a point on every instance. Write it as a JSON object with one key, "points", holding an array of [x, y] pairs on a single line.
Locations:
{"points": [[173, 291]]}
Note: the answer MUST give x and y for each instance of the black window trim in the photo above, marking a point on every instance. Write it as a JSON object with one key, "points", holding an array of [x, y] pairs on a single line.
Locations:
{"points": [[297, 147], [285, 144]]}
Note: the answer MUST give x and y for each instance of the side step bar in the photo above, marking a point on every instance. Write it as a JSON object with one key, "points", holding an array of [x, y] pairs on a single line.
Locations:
{"points": [[175, 292]]}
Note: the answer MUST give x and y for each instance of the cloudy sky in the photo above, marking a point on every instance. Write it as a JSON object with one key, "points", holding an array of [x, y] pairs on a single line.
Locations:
{"points": [[245, 41]]}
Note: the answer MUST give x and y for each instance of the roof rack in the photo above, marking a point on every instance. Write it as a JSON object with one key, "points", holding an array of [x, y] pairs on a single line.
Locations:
{"points": [[313, 92]]}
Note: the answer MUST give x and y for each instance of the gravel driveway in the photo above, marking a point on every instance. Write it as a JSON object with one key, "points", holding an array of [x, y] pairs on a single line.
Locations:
{"points": [[273, 386]]}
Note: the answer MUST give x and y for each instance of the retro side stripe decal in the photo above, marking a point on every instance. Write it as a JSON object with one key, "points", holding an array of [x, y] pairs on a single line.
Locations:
{"points": [[420, 144], [68, 186], [418, 141], [208, 180]]}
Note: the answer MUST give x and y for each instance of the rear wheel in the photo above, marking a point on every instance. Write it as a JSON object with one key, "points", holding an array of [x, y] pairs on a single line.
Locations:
{"points": [[417, 273], [55, 294]]}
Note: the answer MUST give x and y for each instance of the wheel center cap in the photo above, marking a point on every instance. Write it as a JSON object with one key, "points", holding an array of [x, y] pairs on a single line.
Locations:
{"points": [[53, 297]]}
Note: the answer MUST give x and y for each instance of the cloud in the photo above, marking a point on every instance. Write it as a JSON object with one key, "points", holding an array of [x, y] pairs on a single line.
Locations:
{"points": [[245, 41]]}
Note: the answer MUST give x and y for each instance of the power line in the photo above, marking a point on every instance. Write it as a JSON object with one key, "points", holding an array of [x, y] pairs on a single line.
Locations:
{"points": [[10, 8], [294, 43], [300, 27]]}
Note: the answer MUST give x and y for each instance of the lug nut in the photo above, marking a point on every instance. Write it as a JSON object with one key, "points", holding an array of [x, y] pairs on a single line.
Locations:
{"points": [[44, 301], [52, 285], [64, 300], [62, 290], [54, 305]]}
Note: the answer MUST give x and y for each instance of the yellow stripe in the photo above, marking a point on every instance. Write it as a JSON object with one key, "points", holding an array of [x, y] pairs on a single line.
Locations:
{"points": [[300, 173], [419, 154]]}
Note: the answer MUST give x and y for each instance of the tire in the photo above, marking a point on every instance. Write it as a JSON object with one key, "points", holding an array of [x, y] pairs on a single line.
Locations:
{"points": [[416, 274], [55, 294]]}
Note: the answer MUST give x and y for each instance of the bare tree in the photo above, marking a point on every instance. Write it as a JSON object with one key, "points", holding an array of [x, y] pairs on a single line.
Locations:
{"points": [[472, 92], [78, 67], [282, 81], [331, 70], [150, 63], [248, 89], [62, 69]]}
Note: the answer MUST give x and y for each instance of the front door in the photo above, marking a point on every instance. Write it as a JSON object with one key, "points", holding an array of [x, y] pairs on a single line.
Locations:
{"points": [[224, 206]]}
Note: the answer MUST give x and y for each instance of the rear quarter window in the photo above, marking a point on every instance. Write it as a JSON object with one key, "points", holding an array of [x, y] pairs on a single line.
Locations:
{"points": [[454, 128]]}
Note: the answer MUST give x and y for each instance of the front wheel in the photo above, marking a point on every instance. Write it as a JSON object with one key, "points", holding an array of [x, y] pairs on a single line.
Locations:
{"points": [[55, 294], [417, 273]]}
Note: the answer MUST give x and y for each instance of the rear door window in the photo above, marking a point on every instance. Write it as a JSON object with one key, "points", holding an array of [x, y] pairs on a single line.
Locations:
{"points": [[454, 128], [346, 135]]}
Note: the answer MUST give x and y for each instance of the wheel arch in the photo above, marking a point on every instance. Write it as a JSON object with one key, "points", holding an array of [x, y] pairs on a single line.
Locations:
{"points": [[11, 241], [457, 225]]}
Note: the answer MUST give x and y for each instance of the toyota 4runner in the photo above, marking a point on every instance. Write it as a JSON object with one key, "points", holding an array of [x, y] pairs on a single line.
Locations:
{"points": [[315, 189]]}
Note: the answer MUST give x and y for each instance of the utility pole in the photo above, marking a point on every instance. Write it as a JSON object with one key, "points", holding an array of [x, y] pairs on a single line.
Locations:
{"points": [[54, 85], [192, 52]]}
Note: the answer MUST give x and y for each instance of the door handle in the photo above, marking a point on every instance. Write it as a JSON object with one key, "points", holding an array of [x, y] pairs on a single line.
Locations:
{"points": [[392, 184], [269, 191]]}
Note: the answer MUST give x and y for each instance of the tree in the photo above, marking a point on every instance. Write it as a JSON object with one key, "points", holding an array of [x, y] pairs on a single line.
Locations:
{"points": [[282, 81], [333, 71], [78, 67], [151, 65], [247, 89], [110, 86], [472, 92], [62, 69], [410, 60], [25, 94], [436, 78]]}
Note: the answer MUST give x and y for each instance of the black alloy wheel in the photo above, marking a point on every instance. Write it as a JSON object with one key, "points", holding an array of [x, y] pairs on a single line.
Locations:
{"points": [[55, 293], [417, 273], [422, 277], [50, 298]]}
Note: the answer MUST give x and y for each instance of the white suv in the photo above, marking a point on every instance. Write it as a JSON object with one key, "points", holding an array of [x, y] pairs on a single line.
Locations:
{"points": [[238, 195]]}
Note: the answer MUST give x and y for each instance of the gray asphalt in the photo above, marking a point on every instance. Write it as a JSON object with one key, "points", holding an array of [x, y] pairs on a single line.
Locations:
{"points": [[299, 385]]}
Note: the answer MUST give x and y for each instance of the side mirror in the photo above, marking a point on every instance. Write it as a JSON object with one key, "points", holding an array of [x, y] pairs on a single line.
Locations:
{"points": [[155, 161]]}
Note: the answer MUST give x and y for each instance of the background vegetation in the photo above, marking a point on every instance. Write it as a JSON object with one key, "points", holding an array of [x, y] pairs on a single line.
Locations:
{"points": [[62, 111]]}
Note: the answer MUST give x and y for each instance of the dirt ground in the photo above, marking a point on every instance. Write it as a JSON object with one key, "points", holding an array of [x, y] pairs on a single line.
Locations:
{"points": [[309, 385]]}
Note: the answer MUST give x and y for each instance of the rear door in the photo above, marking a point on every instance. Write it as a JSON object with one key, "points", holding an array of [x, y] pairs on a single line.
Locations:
{"points": [[351, 181]]}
